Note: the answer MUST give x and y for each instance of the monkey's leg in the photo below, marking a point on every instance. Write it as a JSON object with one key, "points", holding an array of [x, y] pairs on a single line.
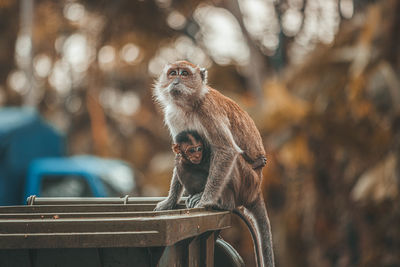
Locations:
{"points": [[222, 162], [226, 200], [192, 200], [259, 212], [175, 192]]}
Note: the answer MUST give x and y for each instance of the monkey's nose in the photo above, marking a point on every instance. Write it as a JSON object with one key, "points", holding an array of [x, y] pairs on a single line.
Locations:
{"points": [[176, 81]]}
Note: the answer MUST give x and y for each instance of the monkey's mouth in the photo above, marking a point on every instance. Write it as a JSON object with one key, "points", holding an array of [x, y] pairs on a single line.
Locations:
{"points": [[196, 160], [175, 92]]}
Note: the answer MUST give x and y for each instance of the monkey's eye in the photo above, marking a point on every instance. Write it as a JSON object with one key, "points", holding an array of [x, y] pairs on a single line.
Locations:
{"points": [[184, 73], [199, 149], [192, 150], [172, 73]]}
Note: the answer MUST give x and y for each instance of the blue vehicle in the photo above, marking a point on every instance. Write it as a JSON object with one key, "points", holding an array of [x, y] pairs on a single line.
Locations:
{"points": [[33, 162], [79, 176]]}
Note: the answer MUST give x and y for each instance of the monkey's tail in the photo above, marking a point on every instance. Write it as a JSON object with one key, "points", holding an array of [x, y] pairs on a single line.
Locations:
{"points": [[250, 226], [258, 212]]}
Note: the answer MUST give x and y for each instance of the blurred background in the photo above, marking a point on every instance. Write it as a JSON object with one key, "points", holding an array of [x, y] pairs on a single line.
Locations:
{"points": [[319, 77]]}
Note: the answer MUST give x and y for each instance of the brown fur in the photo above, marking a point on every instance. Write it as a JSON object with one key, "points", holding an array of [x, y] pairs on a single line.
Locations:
{"points": [[189, 104]]}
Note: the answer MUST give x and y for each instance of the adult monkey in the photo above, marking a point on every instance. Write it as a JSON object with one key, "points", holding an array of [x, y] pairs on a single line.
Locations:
{"points": [[189, 104]]}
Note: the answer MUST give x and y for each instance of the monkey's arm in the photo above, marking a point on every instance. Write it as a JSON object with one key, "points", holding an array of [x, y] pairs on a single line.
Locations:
{"points": [[175, 192], [222, 161], [224, 152]]}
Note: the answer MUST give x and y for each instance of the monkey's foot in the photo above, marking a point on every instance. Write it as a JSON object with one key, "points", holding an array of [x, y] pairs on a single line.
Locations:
{"points": [[166, 204], [259, 163], [193, 200], [206, 204], [219, 205]]}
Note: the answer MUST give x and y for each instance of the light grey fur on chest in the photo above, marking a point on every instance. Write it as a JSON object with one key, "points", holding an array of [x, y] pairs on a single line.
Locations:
{"points": [[178, 121]]}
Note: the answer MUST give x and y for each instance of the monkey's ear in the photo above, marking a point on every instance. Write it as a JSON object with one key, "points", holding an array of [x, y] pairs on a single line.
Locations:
{"points": [[176, 149], [203, 74]]}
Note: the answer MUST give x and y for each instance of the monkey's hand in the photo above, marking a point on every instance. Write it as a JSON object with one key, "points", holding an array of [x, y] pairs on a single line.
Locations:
{"points": [[193, 200], [166, 204]]}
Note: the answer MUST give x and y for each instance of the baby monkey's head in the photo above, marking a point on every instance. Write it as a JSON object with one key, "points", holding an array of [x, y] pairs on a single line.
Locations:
{"points": [[190, 146]]}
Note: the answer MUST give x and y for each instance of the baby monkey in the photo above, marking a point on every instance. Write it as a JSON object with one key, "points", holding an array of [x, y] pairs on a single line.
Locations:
{"points": [[193, 163]]}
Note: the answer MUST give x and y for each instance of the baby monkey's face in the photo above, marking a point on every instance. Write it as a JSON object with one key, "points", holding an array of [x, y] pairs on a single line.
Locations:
{"points": [[190, 148], [193, 153]]}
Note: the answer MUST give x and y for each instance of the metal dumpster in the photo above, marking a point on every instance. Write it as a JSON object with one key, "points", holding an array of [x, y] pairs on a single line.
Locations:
{"points": [[107, 232]]}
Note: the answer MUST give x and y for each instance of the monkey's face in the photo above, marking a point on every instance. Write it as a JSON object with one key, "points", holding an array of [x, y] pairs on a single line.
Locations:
{"points": [[181, 83], [193, 153]]}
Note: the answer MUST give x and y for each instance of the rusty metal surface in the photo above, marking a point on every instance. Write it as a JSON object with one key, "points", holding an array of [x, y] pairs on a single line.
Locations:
{"points": [[77, 257], [33, 200], [103, 225], [39, 214], [76, 208], [207, 250]]}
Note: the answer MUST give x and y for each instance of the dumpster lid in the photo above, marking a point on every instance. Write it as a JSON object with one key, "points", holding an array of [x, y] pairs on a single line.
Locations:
{"points": [[62, 226]]}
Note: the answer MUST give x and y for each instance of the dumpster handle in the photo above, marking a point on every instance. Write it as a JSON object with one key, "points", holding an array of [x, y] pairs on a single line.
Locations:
{"points": [[126, 199], [31, 200]]}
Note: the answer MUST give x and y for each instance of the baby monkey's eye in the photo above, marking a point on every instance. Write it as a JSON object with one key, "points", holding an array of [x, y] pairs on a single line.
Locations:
{"points": [[199, 148], [192, 150], [172, 73], [184, 73]]}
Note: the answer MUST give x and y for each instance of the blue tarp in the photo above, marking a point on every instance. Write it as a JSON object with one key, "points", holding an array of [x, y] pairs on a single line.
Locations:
{"points": [[24, 136]]}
